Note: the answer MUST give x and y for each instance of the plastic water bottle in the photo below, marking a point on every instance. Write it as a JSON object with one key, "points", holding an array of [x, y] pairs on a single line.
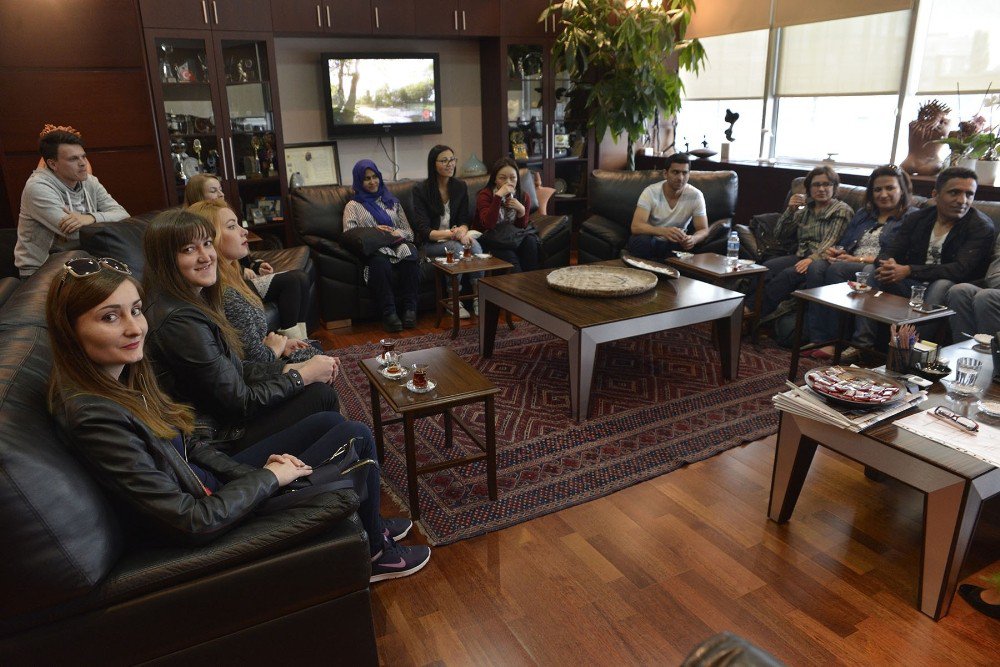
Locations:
{"points": [[733, 250]]}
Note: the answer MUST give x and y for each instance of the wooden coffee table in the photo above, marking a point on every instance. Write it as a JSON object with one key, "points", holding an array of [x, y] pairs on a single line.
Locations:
{"points": [[585, 322], [954, 484], [885, 308], [458, 383], [714, 268], [451, 273]]}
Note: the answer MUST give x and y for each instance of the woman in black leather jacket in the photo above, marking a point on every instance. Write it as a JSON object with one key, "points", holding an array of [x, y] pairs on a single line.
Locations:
{"points": [[141, 444], [197, 353]]}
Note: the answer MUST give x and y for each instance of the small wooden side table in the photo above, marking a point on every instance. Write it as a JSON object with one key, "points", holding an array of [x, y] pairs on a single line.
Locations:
{"points": [[457, 383], [452, 272], [714, 268]]}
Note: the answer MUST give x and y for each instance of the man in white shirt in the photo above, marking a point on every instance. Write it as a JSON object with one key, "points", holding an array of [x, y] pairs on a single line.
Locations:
{"points": [[664, 212]]}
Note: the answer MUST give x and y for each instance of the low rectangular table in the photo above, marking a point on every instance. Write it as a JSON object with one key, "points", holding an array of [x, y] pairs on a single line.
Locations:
{"points": [[714, 268], [458, 383], [885, 308], [586, 322], [954, 484]]}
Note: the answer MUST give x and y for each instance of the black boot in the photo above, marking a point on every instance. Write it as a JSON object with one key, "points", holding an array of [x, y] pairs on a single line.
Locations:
{"points": [[391, 323], [410, 319]]}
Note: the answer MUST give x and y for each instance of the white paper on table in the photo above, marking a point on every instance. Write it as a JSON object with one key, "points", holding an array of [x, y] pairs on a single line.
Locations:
{"points": [[983, 444]]}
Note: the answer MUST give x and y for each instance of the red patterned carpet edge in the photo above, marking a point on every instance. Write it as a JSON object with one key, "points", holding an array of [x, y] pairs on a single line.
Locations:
{"points": [[658, 403]]}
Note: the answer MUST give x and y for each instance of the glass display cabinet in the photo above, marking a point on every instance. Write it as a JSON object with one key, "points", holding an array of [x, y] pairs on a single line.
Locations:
{"points": [[218, 114]]}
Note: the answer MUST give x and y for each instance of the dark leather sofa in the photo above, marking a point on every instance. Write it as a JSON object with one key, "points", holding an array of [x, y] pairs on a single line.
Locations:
{"points": [[76, 588], [613, 196], [318, 212], [123, 241]]}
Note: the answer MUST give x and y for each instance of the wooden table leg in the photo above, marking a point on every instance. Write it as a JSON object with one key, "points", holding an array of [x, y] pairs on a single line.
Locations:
{"points": [[455, 305], [758, 303], [800, 312], [410, 443], [728, 331], [491, 449], [438, 299], [489, 314], [793, 455], [377, 422], [448, 428]]}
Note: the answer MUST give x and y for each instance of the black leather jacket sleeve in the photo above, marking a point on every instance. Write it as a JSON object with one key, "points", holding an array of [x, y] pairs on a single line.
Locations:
{"points": [[207, 456], [205, 373], [148, 474]]}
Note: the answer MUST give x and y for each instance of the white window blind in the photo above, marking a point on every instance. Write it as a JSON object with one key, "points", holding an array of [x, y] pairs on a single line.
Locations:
{"points": [[860, 55], [961, 47], [735, 69]]}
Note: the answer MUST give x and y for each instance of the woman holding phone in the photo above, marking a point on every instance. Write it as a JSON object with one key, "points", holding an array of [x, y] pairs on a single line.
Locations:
{"points": [[181, 488]]}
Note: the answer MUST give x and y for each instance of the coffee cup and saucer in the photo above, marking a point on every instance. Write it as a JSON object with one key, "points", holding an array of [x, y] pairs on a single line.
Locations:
{"points": [[420, 383]]}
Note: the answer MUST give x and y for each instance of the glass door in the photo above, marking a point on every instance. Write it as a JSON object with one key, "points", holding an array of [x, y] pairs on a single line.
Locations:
{"points": [[527, 118], [189, 103], [251, 133]]}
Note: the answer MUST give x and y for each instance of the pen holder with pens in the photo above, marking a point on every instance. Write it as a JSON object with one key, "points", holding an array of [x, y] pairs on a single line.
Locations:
{"points": [[900, 360]]}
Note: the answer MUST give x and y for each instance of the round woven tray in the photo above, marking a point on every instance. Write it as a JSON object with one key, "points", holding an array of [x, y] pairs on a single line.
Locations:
{"points": [[601, 280]]}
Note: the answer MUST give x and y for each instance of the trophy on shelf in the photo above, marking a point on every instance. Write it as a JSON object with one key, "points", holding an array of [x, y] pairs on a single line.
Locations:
{"points": [[167, 74], [196, 147], [267, 155], [251, 163], [212, 161]]}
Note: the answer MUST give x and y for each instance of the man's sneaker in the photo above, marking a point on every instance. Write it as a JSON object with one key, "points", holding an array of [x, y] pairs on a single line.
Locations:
{"points": [[463, 314], [475, 307], [398, 561], [396, 528]]}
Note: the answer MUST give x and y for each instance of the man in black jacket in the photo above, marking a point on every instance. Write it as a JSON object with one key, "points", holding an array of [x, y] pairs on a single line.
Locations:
{"points": [[941, 245]]}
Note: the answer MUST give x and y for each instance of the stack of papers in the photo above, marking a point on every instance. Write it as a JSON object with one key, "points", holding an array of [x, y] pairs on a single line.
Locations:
{"points": [[983, 444], [804, 402]]}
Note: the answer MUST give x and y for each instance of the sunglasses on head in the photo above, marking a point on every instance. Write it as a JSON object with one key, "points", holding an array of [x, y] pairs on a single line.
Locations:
{"points": [[81, 267]]}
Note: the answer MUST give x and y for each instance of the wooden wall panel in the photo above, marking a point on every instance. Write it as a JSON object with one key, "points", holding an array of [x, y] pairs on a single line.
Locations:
{"points": [[110, 108], [77, 34]]}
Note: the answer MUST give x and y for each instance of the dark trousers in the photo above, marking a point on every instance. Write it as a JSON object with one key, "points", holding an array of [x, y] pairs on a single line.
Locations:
{"points": [[650, 246], [380, 270], [524, 258], [289, 291], [315, 439], [316, 397], [781, 280]]}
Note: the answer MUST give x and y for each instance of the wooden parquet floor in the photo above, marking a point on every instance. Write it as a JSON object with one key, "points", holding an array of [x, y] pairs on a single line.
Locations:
{"points": [[643, 575]]}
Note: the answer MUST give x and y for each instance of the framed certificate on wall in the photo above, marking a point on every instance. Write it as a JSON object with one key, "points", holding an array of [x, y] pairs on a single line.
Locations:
{"points": [[318, 162]]}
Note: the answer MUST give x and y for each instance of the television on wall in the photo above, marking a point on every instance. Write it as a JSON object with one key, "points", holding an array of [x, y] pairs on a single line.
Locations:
{"points": [[381, 94]]}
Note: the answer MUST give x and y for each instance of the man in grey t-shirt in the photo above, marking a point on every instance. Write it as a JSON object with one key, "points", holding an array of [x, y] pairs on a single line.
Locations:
{"points": [[59, 199], [664, 211]]}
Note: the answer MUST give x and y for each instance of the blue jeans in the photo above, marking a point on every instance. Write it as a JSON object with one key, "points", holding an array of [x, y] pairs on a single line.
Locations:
{"points": [[316, 438]]}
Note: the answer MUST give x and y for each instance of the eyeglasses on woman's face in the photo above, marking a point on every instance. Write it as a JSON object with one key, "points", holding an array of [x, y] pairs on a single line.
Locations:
{"points": [[447, 160]]}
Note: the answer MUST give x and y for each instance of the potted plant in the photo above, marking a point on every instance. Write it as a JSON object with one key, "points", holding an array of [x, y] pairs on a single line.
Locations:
{"points": [[619, 53]]}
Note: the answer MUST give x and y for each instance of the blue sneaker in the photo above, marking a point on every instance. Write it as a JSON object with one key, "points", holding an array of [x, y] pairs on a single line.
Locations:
{"points": [[398, 561], [396, 528]]}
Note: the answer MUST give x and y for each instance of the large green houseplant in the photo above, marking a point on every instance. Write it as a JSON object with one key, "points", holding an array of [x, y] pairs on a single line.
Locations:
{"points": [[621, 54]]}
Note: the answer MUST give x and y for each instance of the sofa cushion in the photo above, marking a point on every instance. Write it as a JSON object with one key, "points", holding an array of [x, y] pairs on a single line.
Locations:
{"points": [[121, 240]]}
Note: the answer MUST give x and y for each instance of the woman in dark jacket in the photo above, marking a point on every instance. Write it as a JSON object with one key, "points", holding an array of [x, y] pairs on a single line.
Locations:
{"points": [[502, 211], [198, 354], [142, 446], [441, 213]]}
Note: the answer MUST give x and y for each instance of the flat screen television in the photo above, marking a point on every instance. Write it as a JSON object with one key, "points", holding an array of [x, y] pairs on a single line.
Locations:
{"points": [[373, 94]]}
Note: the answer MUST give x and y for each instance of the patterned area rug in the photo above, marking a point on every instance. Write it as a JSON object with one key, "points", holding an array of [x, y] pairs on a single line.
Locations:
{"points": [[658, 403]]}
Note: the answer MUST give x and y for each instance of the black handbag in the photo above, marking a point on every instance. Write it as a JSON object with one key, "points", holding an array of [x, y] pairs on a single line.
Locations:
{"points": [[507, 236], [366, 241], [342, 471]]}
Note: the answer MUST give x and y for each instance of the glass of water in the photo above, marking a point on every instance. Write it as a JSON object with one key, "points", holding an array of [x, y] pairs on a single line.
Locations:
{"points": [[967, 371], [917, 295]]}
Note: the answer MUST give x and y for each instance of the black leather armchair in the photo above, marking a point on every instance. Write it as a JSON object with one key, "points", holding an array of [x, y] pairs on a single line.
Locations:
{"points": [[77, 588], [613, 196], [318, 212], [123, 241]]}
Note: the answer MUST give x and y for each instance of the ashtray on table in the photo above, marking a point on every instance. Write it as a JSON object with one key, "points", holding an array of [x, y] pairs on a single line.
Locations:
{"points": [[935, 371]]}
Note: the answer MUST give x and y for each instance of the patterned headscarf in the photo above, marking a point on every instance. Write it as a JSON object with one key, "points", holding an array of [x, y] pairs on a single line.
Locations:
{"points": [[369, 199]]}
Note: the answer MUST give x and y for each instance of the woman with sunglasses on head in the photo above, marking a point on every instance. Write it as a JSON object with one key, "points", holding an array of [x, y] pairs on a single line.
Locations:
{"points": [[441, 214], [243, 306], [888, 198], [373, 206], [287, 290], [819, 219], [502, 211], [143, 447]]}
